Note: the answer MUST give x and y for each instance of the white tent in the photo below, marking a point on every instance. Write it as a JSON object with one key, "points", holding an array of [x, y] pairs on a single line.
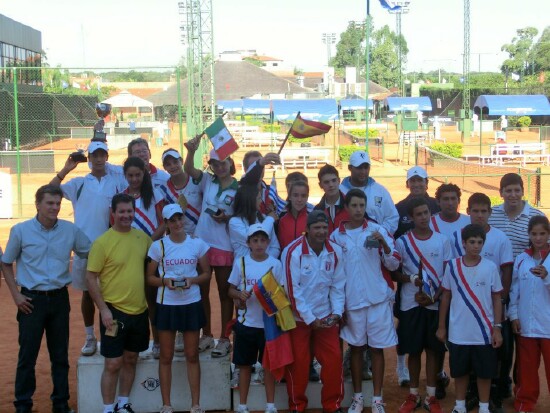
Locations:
{"points": [[125, 100]]}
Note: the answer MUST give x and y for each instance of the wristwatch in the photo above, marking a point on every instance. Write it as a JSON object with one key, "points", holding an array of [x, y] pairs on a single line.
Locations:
{"points": [[499, 325]]}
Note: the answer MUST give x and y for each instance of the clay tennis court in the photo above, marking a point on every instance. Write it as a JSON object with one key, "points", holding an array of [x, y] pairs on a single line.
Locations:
{"points": [[394, 179]]}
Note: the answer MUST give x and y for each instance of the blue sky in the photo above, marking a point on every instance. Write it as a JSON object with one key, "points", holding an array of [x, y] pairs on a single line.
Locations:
{"points": [[107, 33]]}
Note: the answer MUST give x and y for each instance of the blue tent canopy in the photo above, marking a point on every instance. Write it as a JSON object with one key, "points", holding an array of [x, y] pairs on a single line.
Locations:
{"points": [[513, 105], [234, 106], [355, 104], [256, 106], [412, 104], [312, 109]]}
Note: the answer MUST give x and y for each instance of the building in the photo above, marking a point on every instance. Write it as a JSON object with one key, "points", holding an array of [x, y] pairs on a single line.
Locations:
{"points": [[20, 46]]}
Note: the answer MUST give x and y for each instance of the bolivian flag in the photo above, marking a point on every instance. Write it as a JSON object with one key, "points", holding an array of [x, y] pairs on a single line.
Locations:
{"points": [[278, 318], [303, 128], [224, 144]]}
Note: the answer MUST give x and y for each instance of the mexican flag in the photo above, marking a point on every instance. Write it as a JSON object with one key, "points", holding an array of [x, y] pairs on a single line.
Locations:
{"points": [[221, 139]]}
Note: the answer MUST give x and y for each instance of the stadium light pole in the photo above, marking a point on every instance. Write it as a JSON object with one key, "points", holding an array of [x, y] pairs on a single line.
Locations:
{"points": [[367, 75], [403, 9], [329, 39]]}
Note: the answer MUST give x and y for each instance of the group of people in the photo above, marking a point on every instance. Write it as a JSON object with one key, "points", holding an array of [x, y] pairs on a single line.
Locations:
{"points": [[146, 243]]}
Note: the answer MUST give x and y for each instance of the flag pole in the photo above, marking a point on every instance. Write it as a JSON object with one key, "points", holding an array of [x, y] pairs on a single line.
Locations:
{"points": [[200, 135], [287, 135]]}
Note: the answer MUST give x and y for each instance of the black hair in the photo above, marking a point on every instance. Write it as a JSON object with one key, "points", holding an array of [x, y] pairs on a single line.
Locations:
{"points": [[146, 189], [473, 231], [292, 186], [510, 179], [232, 169], [327, 169], [415, 203], [538, 220], [122, 198], [47, 189], [358, 193], [248, 155], [479, 199], [294, 177], [245, 204], [137, 141], [447, 188]]}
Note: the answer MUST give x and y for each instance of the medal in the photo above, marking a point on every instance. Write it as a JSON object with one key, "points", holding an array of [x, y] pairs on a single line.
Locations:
{"points": [[182, 201]]}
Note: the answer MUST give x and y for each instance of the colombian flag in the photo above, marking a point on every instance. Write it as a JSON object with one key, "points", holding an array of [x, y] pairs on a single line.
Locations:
{"points": [[302, 128], [278, 348]]}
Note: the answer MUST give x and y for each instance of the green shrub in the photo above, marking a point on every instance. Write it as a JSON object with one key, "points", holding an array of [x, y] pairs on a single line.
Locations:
{"points": [[345, 151], [360, 133], [524, 122], [451, 149], [267, 128], [298, 140]]}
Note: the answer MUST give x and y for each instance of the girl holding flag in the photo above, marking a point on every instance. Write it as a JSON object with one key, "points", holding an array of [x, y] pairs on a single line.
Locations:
{"points": [[218, 190]]}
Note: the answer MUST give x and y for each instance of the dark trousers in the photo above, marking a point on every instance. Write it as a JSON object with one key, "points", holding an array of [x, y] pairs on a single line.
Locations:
{"points": [[50, 314]]}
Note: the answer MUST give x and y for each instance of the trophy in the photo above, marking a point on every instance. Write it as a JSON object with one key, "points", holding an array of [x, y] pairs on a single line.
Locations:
{"points": [[102, 110]]}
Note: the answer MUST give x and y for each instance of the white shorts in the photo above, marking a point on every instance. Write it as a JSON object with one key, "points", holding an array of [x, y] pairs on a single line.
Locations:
{"points": [[371, 325], [78, 273]]}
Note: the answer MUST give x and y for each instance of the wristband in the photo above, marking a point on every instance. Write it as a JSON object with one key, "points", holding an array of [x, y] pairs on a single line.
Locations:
{"points": [[57, 174], [499, 325], [413, 278]]}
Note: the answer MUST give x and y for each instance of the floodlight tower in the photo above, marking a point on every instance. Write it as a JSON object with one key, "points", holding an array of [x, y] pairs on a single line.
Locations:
{"points": [[329, 39], [404, 9], [197, 35], [466, 72]]}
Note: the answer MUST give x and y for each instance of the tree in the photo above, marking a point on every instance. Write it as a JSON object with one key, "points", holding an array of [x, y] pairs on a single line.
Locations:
{"points": [[384, 60], [519, 52], [541, 52]]}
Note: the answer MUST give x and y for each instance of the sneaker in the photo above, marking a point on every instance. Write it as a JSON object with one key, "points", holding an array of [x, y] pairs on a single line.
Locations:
{"points": [[178, 344], [270, 410], [260, 376], [156, 351], [166, 409], [205, 343], [235, 378], [242, 410], [313, 375], [90, 346], [197, 409], [356, 405], [127, 408], [459, 410], [222, 349], [412, 402], [441, 384], [403, 378], [378, 407], [432, 405]]}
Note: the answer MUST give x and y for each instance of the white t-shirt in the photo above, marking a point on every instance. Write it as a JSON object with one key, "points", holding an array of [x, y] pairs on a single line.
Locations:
{"points": [[193, 194], [178, 260], [91, 199], [438, 224], [252, 315], [435, 251], [497, 247], [238, 228], [213, 198], [471, 315]]}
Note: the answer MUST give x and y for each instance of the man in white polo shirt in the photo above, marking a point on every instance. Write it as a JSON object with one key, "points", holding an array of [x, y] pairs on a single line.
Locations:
{"points": [[91, 198]]}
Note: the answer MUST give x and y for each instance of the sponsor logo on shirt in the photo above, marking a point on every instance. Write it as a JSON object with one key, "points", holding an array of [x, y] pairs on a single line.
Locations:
{"points": [[378, 201]]}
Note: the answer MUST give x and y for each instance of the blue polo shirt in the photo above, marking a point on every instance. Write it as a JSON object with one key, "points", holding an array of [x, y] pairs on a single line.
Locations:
{"points": [[42, 255]]}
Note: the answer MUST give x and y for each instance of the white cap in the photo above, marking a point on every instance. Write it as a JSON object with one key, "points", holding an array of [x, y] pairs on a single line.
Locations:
{"points": [[417, 171], [170, 210], [173, 153], [252, 229], [213, 156], [358, 158], [94, 146]]}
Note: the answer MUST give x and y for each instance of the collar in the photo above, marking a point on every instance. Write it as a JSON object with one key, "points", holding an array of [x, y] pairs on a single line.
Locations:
{"points": [[42, 227], [152, 169], [342, 227], [306, 249], [454, 220], [234, 184]]}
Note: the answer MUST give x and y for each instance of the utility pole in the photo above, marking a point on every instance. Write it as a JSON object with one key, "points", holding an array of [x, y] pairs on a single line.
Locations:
{"points": [[404, 9], [466, 74]]}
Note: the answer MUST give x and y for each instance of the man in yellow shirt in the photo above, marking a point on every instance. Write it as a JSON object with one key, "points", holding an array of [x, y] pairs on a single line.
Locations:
{"points": [[116, 282]]}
